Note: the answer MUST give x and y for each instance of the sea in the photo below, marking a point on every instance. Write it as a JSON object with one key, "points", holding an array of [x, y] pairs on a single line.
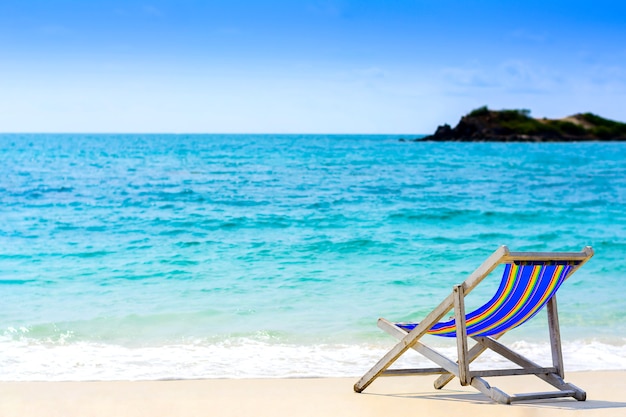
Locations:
{"points": [[171, 256]]}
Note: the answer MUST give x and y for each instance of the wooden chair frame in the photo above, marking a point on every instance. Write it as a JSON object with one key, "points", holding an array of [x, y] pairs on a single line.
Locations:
{"points": [[448, 369]]}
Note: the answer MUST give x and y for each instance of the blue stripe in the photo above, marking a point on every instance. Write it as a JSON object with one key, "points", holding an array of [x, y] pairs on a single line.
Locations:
{"points": [[520, 283]]}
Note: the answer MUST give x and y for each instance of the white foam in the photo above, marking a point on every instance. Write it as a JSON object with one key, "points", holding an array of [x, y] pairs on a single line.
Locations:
{"points": [[244, 358]]}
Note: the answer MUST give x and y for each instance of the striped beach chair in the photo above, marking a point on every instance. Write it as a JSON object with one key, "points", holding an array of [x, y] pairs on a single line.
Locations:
{"points": [[529, 282]]}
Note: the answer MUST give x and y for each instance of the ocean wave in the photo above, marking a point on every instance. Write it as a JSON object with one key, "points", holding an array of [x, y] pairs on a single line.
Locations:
{"points": [[118, 249], [348, 246], [5, 281], [29, 360]]}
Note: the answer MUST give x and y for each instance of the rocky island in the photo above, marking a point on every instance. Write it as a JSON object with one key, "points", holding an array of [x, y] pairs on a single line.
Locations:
{"points": [[485, 125]]}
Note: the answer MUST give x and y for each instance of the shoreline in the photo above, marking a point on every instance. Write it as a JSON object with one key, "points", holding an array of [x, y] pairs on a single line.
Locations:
{"points": [[28, 359], [302, 397]]}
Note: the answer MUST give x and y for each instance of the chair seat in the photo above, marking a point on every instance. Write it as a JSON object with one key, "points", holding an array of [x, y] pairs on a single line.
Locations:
{"points": [[524, 290]]}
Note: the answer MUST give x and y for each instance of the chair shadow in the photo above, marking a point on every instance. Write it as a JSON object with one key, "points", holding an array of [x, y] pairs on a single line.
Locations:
{"points": [[478, 398]]}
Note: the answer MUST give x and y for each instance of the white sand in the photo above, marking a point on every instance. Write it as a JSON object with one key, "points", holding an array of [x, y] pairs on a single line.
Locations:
{"points": [[606, 396]]}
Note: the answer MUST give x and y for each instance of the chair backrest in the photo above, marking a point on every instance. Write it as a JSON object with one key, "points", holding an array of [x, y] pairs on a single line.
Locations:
{"points": [[526, 287], [530, 279]]}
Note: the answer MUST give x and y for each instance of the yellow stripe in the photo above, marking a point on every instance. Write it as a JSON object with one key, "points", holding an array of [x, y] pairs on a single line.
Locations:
{"points": [[553, 282], [512, 281], [523, 299], [509, 286]]}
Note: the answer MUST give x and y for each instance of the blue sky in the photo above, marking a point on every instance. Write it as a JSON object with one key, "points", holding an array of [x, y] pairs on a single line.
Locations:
{"points": [[307, 66]]}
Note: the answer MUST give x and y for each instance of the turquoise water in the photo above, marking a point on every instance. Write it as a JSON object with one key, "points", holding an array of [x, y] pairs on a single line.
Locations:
{"points": [[175, 256]]}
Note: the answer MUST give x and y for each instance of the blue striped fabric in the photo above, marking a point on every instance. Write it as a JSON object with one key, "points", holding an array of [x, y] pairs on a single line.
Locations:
{"points": [[525, 288]]}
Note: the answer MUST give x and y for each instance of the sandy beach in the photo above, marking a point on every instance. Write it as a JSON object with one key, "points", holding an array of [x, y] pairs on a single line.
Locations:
{"points": [[302, 397]]}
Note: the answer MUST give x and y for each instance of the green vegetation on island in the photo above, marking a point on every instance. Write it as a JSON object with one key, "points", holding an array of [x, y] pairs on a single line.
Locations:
{"points": [[483, 124]]}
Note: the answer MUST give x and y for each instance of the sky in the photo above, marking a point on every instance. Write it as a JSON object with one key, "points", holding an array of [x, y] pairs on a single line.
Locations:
{"points": [[303, 66]]}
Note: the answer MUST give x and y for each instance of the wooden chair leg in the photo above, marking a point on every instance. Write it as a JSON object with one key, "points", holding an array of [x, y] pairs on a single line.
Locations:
{"points": [[551, 378], [472, 355], [555, 337], [461, 334], [407, 342]]}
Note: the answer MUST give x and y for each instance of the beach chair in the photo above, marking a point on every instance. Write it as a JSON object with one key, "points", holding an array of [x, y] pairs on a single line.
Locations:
{"points": [[529, 282]]}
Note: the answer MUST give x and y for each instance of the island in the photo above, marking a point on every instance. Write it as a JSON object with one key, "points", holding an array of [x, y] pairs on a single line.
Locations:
{"points": [[486, 125]]}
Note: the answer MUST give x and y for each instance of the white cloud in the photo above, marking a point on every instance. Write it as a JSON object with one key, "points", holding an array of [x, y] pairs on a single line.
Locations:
{"points": [[526, 77], [327, 8], [55, 30], [533, 37], [467, 77], [372, 72], [152, 10], [512, 76]]}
